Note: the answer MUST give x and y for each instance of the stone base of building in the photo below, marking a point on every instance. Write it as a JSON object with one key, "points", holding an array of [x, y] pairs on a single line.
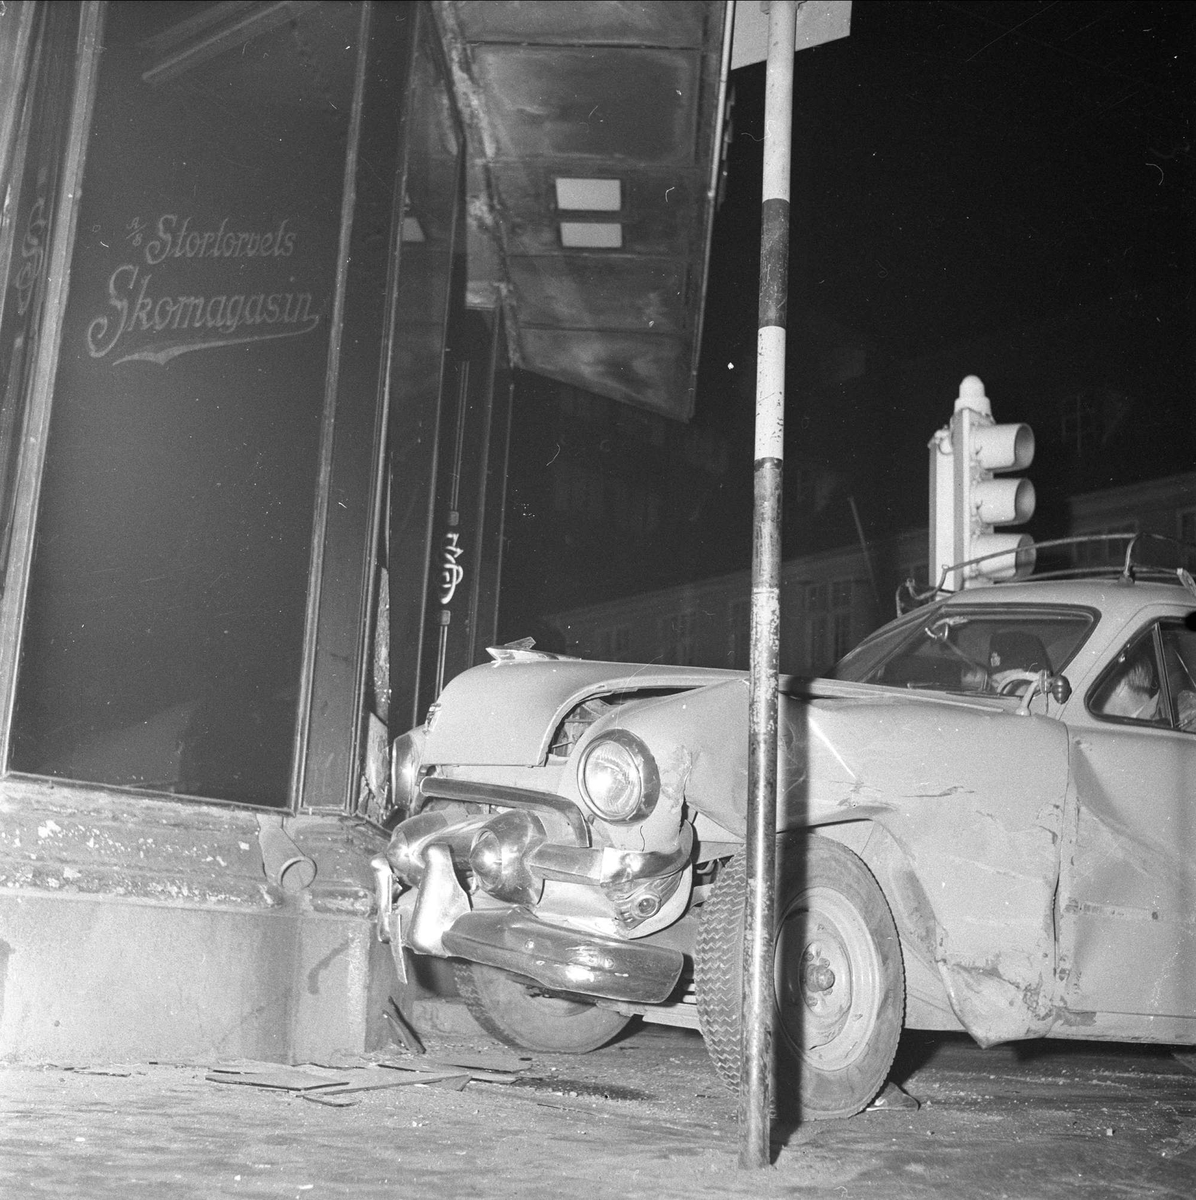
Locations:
{"points": [[133, 931]]}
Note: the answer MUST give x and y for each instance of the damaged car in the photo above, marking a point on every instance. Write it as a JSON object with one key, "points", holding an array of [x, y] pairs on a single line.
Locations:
{"points": [[986, 819]]}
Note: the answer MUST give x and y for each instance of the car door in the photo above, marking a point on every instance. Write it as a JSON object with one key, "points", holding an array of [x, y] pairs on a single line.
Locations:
{"points": [[1127, 911]]}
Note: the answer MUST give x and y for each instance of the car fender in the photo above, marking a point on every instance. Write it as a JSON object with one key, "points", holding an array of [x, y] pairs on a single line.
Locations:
{"points": [[970, 791], [505, 713]]}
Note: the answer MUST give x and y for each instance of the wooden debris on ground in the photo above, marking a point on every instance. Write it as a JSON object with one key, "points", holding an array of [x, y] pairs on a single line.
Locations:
{"points": [[453, 1080], [401, 1029], [330, 1085], [274, 1075]]}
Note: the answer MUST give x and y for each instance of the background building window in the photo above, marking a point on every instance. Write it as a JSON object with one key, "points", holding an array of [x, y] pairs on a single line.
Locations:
{"points": [[676, 638], [1185, 522], [1105, 550], [829, 622], [614, 643]]}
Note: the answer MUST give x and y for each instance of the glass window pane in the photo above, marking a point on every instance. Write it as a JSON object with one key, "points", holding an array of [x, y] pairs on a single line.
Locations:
{"points": [[989, 650], [163, 642], [1179, 671], [427, 260], [1130, 689], [30, 197]]}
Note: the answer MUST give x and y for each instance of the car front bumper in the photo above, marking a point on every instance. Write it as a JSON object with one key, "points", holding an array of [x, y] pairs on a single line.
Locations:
{"points": [[430, 853], [437, 918]]}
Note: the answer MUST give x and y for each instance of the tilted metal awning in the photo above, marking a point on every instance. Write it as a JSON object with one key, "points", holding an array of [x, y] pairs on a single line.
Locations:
{"points": [[594, 133]]}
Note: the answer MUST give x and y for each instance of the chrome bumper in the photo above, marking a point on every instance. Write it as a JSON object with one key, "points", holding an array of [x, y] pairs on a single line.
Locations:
{"points": [[564, 959], [430, 853], [437, 919], [635, 882]]}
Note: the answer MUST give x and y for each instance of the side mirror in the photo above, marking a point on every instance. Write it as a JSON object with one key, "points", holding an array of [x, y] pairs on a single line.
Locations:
{"points": [[1056, 686]]}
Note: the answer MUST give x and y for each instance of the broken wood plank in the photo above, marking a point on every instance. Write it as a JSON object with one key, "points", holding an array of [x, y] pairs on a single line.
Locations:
{"points": [[348, 1097], [504, 1064], [426, 1065], [324, 1098], [402, 1029], [287, 1079], [393, 1081]]}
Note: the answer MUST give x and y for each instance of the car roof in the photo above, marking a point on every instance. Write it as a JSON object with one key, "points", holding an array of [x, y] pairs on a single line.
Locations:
{"points": [[1111, 595]]}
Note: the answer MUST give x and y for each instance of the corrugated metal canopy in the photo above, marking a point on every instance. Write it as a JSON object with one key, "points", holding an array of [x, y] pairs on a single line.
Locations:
{"points": [[626, 92]]}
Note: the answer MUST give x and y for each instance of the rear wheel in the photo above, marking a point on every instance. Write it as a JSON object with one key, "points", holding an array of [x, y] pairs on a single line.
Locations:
{"points": [[838, 980], [520, 1013]]}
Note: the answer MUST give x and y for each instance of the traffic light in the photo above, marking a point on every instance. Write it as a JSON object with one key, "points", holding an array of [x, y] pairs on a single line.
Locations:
{"points": [[966, 501]]}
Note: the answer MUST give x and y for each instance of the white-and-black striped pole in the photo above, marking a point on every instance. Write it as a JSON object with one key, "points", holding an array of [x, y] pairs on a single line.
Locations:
{"points": [[756, 1063]]}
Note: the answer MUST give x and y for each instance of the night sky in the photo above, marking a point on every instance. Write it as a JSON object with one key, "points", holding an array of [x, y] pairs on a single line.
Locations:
{"points": [[964, 165], [1003, 189], [998, 188]]}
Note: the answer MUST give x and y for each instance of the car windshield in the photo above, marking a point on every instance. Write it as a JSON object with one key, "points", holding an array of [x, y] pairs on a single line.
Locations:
{"points": [[954, 648]]}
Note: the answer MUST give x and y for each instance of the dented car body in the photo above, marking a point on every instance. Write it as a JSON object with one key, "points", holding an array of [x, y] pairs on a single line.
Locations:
{"points": [[1002, 828]]}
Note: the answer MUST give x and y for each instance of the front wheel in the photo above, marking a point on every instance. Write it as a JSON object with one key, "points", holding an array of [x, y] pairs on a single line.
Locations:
{"points": [[520, 1013], [838, 980]]}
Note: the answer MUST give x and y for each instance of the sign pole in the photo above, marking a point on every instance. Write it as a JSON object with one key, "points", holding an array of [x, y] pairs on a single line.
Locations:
{"points": [[756, 1059]]}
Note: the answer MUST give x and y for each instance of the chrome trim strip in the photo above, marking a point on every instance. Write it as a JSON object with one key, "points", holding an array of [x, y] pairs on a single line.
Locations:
{"points": [[468, 792]]}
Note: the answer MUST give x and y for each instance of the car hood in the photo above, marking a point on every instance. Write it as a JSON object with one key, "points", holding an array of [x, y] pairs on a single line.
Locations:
{"points": [[505, 713], [849, 750]]}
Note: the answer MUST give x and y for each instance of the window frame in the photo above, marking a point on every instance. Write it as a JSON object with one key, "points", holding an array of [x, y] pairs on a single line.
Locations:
{"points": [[42, 377], [328, 753], [1167, 710]]}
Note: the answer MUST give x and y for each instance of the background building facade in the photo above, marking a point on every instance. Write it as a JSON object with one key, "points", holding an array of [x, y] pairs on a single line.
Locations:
{"points": [[830, 600]]}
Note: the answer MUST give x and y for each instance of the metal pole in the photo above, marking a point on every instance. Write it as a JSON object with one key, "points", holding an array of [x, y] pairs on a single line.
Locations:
{"points": [[756, 1061]]}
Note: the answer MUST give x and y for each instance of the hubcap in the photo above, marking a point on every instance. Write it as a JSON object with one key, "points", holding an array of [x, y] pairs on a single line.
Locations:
{"points": [[827, 979]]}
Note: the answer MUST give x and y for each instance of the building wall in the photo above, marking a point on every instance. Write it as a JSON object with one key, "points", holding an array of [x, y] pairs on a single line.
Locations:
{"points": [[1165, 507], [194, 472], [130, 929], [830, 601]]}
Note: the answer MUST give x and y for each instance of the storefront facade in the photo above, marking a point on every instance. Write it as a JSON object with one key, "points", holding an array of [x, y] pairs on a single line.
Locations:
{"points": [[238, 368], [252, 455]]}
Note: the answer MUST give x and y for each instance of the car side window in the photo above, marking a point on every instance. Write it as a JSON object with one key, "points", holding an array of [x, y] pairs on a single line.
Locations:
{"points": [[1130, 690], [1179, 672], [1152, 680]]}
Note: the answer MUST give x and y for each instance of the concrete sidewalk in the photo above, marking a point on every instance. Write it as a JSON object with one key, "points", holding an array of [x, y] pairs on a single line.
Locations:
{"points": [[643, 1117]]}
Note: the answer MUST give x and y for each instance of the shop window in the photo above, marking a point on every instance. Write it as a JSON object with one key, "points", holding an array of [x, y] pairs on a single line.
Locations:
{"points": [[29, 187], [164, 638], [432, 627], [578, 491]]}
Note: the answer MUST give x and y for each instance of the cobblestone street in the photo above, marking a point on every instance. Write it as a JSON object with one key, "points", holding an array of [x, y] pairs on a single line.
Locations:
{"points": [[643, 1117]]}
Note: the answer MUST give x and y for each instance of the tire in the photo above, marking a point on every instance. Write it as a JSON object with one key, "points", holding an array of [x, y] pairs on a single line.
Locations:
{"points": [[836, 1030], [519, 1013]]}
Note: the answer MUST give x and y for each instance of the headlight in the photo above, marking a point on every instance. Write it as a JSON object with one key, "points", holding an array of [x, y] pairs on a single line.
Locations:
{"points": [[406, 758], [618, 777]]}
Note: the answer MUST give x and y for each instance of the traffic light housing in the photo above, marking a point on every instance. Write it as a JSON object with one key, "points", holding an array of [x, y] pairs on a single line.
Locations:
{"points": [[967, 501]]}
